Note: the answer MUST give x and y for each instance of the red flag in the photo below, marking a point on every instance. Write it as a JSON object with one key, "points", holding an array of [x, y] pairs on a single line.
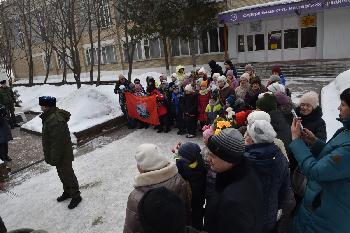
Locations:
{"points": [[143, 108]]}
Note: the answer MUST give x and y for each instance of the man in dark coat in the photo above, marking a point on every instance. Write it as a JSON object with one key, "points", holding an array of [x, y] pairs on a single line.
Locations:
{"points": [[237, 205], [7, 98], [230, 66], [215, 68], [57, 146], [5, 134]]}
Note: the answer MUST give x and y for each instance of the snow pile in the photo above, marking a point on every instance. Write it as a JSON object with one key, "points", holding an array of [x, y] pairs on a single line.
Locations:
{"points": [[89, 106], [105, 177], [330, 101]]}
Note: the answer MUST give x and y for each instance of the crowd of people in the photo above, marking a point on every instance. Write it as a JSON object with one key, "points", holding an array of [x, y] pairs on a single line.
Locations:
{"points": [[265, 166]]}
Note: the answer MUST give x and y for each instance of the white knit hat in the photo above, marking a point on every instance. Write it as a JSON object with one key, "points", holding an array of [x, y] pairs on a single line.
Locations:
{"points": [[244, 76], [258, 115], [201, 70], [222, 78], [189, 87], [275, 87], [311, 98], [216, 75], [148, 157], [261, 131]]}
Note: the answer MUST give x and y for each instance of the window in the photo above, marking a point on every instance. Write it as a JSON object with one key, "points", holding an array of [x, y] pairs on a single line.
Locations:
{"points": [[185, 50], [250, 42], [137, 52], [146, 48], [240, 43], [154, 48], [221, 38], [175, 47], [308, 37], [259, 42], [214, 40], [275, 40], [107, 55], [204, 42], [291, 38], [105, 15]]}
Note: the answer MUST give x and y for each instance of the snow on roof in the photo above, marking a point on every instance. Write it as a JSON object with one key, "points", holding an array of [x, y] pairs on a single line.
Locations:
{"points": [[272, 3]]}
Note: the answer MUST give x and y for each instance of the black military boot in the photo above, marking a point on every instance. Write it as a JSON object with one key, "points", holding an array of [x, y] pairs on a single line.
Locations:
{"points": [[63, 197], [74, 202]]}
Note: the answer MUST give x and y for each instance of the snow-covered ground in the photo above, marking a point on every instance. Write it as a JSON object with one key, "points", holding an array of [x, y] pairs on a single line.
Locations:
{"points": [[105, 176], [330, 101]]}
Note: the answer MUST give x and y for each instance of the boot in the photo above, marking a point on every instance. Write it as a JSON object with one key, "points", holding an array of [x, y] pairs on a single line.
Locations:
{"points": [[74, 202], [63, 197]]}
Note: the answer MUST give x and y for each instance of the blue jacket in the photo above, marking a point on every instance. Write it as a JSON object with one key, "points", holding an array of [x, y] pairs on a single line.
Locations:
{"points": [[325, 207], [283, 79], [272, 169]]}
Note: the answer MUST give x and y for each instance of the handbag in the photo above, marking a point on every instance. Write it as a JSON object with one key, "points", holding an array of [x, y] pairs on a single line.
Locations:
{"points": [[299, 181]]}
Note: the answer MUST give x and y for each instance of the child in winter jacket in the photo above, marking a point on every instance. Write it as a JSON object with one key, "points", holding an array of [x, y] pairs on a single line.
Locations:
{"points": [[213, 109], [203, 100], [190, 111], [177, 109], [192, 168]]}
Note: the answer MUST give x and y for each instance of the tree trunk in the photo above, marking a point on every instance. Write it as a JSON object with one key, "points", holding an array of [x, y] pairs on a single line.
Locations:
{"points": [[99, 55], [166, 56], [92, 54], [193, 54], [131, 60]]}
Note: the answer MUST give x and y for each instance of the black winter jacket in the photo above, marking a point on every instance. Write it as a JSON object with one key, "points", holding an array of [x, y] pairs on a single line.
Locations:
{"points": [[272, 169], [215, 68], [190, 104], [314, 123], [237, 205]]}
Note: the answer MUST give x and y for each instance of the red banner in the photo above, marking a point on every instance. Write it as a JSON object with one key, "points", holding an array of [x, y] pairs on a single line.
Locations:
{"points": [[143, 108]]}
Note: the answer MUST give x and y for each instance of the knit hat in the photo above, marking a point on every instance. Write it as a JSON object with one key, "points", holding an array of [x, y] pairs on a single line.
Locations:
{"points": [[222, 78], [207, 132], [274, 79], [190, 151], [121, 76], [216, 75], [161, 210], [249, 67], [244, 76], [47, 101], [345, 96], [231, 100], [189, 88], [148, 158], [258, 115], [230, 73], [241, 117], [228, 145], [311, 98], [277, 70], [201, 70], [282, 98], [267, 103], [261, 131], [275, 87]]}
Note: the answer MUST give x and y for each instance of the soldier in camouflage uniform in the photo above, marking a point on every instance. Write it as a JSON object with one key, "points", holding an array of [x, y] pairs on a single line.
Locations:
{"points": [[7, 98], [57, 146]]}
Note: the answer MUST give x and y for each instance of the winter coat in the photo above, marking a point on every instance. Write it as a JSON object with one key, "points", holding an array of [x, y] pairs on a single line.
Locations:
{"points": [[122, 100], [314, 123], [215, 68], [241, 92], [5, 130], [197, 180], [272, 169], [283, 79], [167, 177], [233, 68], [191, 104], [161, 107], [180, 76], [203, 100], [325, 207], [252, 96], [7, 97], [225, 92], [237, 205], [213, 109], [57, 144], [281, 126]]}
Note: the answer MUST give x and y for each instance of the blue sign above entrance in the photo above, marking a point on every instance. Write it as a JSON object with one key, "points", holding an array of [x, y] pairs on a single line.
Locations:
{"points": [[303, 7]]}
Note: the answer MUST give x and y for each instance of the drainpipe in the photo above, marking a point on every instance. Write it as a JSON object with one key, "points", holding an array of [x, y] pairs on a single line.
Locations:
{"points": [[226, 42]]}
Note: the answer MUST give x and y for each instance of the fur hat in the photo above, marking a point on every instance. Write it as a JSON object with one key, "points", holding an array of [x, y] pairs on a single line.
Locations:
{"points": [[249, 67], [345, 96], [230, 73], [222, 78], [261, 131], [189, 88], [161, 210], [244, 76], [311, 98], [148, 157], [47, 101], [267, 103], [258, 115], [216, 75], [228, 145], [275, 87]]}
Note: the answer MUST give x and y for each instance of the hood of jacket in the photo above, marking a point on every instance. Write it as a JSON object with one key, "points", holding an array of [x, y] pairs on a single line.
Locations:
{"points": [[262, 154], [179, 67], [60, 113]]}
